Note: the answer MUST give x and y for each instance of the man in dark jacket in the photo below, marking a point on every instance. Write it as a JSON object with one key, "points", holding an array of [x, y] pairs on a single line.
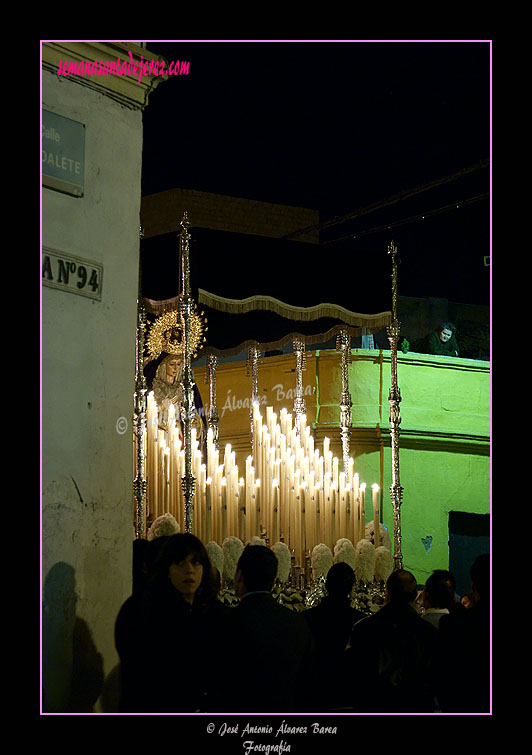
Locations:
{"points": [[392, 654], [330, 623], [268, 649]]}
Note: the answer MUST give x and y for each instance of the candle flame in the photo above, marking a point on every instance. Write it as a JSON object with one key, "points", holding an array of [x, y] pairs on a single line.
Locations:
{"points": [[375, 487]]}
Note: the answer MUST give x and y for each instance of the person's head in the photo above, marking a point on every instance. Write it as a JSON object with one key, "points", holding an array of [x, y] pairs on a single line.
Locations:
{"points": [[439, 590], [256, 569], [480, 578], [340, 580], [184, 562], [401, 587], [446, 331]]}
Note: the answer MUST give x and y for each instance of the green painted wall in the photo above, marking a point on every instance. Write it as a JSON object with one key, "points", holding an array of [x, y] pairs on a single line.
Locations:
{"points": [[444, 441]]}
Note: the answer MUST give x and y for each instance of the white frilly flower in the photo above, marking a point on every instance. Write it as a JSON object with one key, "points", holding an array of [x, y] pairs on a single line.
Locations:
{"points": [[321, 560], [284, 561], [164, 525], [256, 540], [232, 549], [383, 563], [384, 536], [344, 550], [216, 556], [365, 560]]}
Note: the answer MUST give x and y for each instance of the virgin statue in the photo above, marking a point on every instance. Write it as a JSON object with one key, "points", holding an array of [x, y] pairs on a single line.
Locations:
{"points": [[168, 390]]}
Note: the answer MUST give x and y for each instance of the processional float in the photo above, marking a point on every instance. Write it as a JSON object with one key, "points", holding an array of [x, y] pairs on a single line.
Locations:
{"points": [[185, 318]]}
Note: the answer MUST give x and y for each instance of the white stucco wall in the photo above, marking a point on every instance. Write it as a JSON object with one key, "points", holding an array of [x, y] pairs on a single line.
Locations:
{"points": [[88, 369]]}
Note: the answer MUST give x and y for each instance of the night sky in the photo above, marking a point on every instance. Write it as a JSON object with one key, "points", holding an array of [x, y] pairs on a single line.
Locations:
{"points": [[338, 127]]}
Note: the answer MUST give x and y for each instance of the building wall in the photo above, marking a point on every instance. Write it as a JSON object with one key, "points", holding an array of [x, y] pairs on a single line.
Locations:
{"points": [[88, 368], [162, 212]]}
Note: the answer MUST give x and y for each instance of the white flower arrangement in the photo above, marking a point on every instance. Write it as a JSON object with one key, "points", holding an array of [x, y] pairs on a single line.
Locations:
{"points": [[256, 540], [282, 551], [232, 549], [344, 550], [216, 556], [164, 525], [383, 563], [384, 536], [365, 561], [321, 560]]}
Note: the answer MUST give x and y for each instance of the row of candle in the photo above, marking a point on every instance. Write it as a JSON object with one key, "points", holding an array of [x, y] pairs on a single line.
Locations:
{"points": [[289, 490]]}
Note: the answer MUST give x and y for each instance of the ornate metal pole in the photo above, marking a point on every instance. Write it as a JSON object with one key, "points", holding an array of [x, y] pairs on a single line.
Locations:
{"points": [[396, 491], [188, 408], [212, 415], [139, 419], [343, 344], [253, 369], [301, 364]]}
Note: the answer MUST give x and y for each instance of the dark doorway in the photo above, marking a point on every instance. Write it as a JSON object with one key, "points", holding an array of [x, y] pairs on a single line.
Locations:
{"points": [[469, 536]]}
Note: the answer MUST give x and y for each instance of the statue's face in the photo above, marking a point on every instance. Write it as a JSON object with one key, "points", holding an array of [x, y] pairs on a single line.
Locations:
{"points": [[445, 334], [172, 366]]}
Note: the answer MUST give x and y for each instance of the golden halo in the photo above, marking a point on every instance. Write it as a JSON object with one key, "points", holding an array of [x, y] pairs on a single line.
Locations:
{"points": [[165, 334]]}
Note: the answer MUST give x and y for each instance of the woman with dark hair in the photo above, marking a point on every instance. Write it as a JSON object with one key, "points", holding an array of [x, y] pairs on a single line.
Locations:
{"points": [[161, 634]]}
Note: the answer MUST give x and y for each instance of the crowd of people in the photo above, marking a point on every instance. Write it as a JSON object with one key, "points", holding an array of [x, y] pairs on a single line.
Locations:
{"points": [[183, 650]]}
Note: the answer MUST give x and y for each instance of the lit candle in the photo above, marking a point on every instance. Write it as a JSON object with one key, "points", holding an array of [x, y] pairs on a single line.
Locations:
{"points": [[257, 507], [333, 516], [208, 505], [342, 532], [171, 418], [376, 528], [318, 496], [350, 466], [355, 485], [224, 507], [275, 533], [166, 479], [335, 471], [363, 511], [303, 541], [348, 528], [241, 509]]}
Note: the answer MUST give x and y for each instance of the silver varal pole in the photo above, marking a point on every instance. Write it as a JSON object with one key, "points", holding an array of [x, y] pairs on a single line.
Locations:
{"points": [[188, 408], [253, 370], [396, 491], [212, 415], [343, 344], [139, 420], [301, 364]]}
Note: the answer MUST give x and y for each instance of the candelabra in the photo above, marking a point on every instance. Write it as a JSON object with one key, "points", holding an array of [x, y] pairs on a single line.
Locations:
{"points": [[301, 364], [252, 367], [188, 408], [139, 418], [343, 343], [212, 415], [394, 397]]}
